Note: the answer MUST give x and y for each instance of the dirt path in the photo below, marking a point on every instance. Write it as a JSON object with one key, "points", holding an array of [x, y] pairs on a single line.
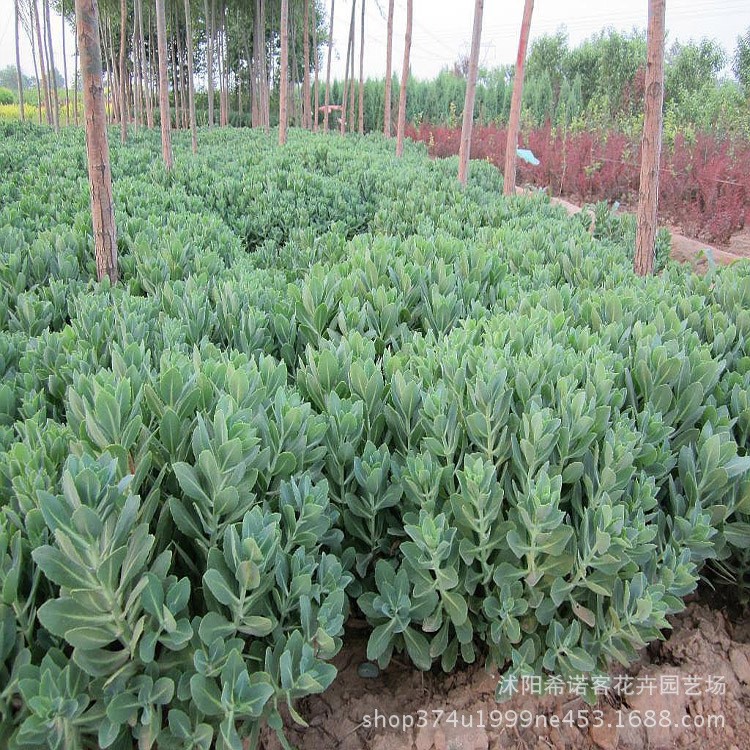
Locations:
{"points": [[688, 250]]}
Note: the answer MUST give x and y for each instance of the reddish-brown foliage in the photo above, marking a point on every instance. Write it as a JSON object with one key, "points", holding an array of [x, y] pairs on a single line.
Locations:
{"points": [[704, 185]]}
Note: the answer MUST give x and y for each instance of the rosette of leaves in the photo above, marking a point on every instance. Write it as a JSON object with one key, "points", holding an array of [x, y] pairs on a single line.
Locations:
{"points": [[392, 610]]}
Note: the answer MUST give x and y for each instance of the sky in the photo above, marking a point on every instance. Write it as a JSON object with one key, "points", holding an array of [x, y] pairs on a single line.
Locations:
{"points": [[442, 29]]}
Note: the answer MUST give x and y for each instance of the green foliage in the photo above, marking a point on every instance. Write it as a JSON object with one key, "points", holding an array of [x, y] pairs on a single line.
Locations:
{"points": [[741, 62], [600, 81], [320, 391], [7, 96]]}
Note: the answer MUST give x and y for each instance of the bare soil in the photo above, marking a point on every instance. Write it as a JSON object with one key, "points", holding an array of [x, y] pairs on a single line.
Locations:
{"points": [[706, 655]]}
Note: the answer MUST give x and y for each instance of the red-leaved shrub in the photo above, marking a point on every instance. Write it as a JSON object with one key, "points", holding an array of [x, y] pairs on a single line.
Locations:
{"points": [[704, 186]]}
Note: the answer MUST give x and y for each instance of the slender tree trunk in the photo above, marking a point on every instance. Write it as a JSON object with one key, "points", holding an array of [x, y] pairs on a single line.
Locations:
{"points": [[223, 71], [137, 73], [362, 72], [42, 63], [349, 54], [52, 72], [514, 124], [388, 72], [264, 69], [306, 108], [97, 147], [259, 49], [316, 84], [144, 73], [65, 65], [161, 36], [173, 34], [184, 104], [123, 92], [284, 73], [471, 88], [352, 90], [175, 85], [109, 105], [19, 75], [75, 84], [255, 88], [114, 79], [130, 101], [292, 86], [401, 127], [648, 194], [152, 74], [210, 60], [36, 67], [219, 52], [328, 70], [225, 65], [191, 80]]}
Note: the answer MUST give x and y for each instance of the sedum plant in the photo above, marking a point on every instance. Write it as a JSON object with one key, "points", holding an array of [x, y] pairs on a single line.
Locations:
{"points": [[318, 392]]}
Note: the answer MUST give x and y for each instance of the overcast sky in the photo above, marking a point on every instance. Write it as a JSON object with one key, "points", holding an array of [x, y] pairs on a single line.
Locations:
{"points": [[442, 28]]}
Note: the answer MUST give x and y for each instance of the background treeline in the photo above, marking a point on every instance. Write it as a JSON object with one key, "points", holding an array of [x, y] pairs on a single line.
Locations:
{"points": [[598, 83]]}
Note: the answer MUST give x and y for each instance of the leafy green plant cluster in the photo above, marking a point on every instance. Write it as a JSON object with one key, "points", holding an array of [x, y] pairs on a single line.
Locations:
{"points": [[333, 382]]}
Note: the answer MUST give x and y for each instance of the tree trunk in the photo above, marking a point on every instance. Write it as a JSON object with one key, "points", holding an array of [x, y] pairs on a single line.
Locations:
{"points": [[648, 194], [328, 70], [175, 91], [219, 52], [362, 72], [137, 73], [306, 108], [388, 73], [404, 81], [255, 93], [75, 84], [349, 54], [471, 88], [184, 83], [114, 79], [19, 75], [266, 84], [180, 109], [42, 63], [36, 68], [191, 82], [210, 60], [514, 124], [220, 61], [350, 121], [65, 65], [97, 147], [224, 71], [144, 67], [225, 64], [292, 85], [161, 37], [52, 72], [153, 66], [316, 92], [123, 92], [284, 73]]}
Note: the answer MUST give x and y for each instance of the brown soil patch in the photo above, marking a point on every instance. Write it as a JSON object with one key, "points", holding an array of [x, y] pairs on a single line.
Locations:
{"points": [[706, 656]]}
